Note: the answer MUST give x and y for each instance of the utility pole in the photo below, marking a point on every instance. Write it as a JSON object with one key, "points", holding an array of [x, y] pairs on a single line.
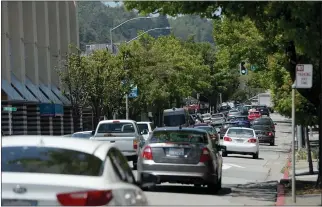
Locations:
{"points": [[320, 110]]}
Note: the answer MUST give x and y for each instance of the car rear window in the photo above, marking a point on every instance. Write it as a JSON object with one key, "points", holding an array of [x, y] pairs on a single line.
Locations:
{"points": [[116, 127], [240, 118], [253, 113], [217, 116], [179, 136], [143, 127], [50, 160], [82, 135], [240, 132], [207, 128], [262, 122], [261, 127]]}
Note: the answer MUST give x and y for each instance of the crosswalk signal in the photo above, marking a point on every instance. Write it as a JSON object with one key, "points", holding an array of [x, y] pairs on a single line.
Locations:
{"points": [[243, 69]]}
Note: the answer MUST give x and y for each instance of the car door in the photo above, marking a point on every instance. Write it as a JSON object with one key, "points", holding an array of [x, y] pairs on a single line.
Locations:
{"points": [[131, 196]]}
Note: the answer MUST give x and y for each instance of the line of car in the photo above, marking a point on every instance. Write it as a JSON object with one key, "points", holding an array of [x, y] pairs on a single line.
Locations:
{"points": [[92, 167]]}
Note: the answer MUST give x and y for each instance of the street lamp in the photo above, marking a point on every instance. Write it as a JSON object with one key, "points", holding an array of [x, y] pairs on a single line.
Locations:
{"points": [[135, 18], [127, 96], [158, 28]]}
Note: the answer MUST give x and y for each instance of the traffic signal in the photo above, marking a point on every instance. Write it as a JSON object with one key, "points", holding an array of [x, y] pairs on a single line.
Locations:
{"points": [[243, 69]]}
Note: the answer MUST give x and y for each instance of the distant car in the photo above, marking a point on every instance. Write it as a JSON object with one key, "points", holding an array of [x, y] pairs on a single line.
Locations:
{"points": [[61, 171], [233, 113], [181, 155], [145, 128], [263, 110], [254, 115], [225, 127], [84, 134], [240, 140], [211, 130], [264, 134], [241, 118]]}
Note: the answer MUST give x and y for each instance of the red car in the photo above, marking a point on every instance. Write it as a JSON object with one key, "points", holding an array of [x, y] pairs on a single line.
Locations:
{"points": [[252, 115]]}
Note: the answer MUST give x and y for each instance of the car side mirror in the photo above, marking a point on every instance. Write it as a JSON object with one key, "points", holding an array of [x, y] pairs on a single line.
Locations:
{"points": [[149, 181], [93, 132]]}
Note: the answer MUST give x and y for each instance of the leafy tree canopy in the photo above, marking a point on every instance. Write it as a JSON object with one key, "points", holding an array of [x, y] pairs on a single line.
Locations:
{"points": [[278, 22]]}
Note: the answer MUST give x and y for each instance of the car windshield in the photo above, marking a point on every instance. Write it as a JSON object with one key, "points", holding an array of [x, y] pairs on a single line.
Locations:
{"points": [[116, 127], [82, 135], [194, 137], [174, 120], [50, 160], [262, 122], [240, 132], [143, 127]]}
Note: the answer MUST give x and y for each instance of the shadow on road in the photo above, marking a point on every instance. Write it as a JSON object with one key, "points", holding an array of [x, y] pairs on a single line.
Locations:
{"points": [[244, 157], [260, 191], [188, 190]]}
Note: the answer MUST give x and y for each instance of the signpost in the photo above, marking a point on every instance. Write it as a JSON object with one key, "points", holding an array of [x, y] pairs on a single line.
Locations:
{"points": [[10, 109], [303, 79]]}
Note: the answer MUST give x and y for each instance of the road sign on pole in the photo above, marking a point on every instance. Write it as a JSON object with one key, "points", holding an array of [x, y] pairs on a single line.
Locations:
{"points": [[9, 109], [134, 92], [304, 76]]}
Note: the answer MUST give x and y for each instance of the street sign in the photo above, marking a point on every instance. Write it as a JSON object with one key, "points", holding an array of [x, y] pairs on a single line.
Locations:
{"points": [[304, 76], [9, 109], [134, 92]]}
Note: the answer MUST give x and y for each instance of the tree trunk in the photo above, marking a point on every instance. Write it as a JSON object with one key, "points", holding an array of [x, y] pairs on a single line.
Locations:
{"points": [[76, 119], [308, 148]]}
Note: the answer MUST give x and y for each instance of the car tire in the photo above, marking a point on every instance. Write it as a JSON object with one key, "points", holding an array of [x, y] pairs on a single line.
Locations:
{"points": [[135, 165], [214, 188], [272, 143], [256, 155], [224, 154]]}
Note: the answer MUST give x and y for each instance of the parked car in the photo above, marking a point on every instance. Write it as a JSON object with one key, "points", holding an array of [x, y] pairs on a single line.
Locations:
{"points": [[182, 155], [61, 171], [240, 140]]}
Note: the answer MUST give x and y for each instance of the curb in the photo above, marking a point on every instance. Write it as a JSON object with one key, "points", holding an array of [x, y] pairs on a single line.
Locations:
{"points": [[280, 201]]}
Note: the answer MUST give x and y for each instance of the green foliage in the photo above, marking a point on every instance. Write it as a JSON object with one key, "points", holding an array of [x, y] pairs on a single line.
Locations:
{"points": [[165, 70], [278, 23]]}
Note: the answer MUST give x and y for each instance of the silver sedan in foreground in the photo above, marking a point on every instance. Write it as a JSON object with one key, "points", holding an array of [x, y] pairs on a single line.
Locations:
{"points": [[181, 155]]}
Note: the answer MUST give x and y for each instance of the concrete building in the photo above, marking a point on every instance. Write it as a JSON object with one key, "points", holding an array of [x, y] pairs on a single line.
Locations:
{"points": [[35, 36]]}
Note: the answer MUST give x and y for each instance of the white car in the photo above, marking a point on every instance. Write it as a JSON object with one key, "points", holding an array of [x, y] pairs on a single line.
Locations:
{"points": [[145, 128], [240, 140], [58, 171]]}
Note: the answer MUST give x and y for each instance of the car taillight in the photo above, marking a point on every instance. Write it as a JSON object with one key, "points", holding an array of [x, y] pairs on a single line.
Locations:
{"points": [[147, 153], [269, 133], [252, 140], [205, 155], [135, 144], [227, 139], [86, 198]]}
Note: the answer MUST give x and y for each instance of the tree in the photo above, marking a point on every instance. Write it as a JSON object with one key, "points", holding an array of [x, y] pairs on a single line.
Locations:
{"points": [[73, 77], [278, 22]]}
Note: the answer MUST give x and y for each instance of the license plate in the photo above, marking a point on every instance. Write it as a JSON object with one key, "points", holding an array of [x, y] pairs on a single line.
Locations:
{"points": [[12, 202], [239, 140], [176, 151]]}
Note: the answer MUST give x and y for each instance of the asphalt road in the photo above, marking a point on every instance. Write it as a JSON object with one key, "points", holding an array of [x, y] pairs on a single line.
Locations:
{"points": [[245, 181]]}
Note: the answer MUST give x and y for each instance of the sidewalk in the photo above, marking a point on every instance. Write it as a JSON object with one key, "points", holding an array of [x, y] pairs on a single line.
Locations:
{"points": [[306, 194]]}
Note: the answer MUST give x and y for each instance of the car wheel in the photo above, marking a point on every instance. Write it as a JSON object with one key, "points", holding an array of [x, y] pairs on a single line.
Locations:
{"points": [[214, 188], [135, 165], [197, 185], [272, 143], [224, 154], [255, 156]]}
